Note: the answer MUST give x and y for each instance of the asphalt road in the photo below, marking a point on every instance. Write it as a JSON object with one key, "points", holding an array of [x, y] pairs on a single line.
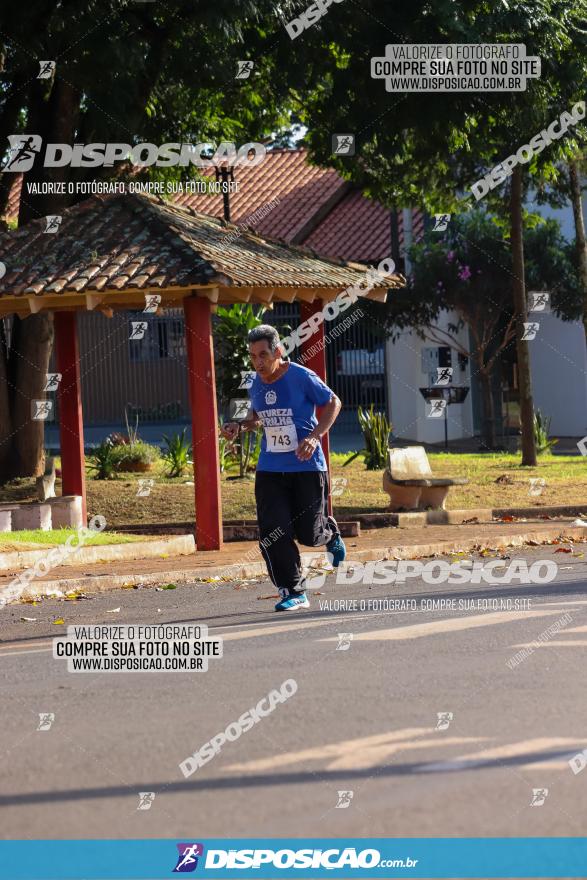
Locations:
{"points": [[364, 719]]}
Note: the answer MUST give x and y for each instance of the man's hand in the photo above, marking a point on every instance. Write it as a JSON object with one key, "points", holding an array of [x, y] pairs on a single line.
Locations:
{"points": [[307, 447], [230, 430]]}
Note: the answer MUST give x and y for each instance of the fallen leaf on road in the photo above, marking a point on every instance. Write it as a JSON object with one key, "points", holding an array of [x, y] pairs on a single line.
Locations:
{"points": [[474, 519], [268, 597], [166, 587], [563, 550], [29, 618], [112, 610], [59, 621]]}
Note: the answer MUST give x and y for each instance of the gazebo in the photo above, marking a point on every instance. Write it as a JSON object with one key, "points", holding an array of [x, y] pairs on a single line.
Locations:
{"points": [[112, 252]]}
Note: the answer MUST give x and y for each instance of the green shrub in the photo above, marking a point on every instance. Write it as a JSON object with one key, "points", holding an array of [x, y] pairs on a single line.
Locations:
{"points": [[541, 433], [103, 461], [137, 456], [376, 429], [177, 454]]}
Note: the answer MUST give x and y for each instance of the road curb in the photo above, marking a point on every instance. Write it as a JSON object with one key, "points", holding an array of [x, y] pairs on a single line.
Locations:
{"points": [[238, 571], [176, 545]]}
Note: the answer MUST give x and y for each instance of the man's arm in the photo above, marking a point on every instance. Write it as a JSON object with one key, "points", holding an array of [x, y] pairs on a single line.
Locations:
{"points": [[328, 416]]}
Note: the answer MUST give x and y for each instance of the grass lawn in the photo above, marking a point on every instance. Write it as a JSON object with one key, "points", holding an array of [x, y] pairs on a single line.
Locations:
{"points": [[495, 480], [33, 537]]}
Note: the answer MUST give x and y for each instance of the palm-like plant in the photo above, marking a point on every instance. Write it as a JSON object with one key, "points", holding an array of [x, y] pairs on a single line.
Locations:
{"points": [[376, 429], [177, 454]]}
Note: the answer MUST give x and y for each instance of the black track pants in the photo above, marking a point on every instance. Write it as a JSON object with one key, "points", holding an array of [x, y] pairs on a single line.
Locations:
{"points": [[290, 507]]}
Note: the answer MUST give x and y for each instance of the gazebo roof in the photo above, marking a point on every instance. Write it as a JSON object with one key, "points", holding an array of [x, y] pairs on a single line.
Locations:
{"points": [[115, 249]]}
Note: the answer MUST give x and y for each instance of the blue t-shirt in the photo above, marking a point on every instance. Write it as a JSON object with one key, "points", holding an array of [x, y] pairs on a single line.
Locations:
{"points": [[287, 410]]}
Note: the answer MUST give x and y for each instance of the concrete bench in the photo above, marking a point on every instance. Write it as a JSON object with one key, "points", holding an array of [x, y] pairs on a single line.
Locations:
{"points": [[410, 484], [54, 513]]}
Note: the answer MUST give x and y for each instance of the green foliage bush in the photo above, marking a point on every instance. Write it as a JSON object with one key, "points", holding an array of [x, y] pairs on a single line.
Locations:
{"points": [[137, 456]]}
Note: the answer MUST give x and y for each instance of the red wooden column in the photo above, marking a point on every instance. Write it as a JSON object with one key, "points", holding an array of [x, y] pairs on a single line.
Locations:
{"points": [[71, 424], [317, 362], [202, 386]]}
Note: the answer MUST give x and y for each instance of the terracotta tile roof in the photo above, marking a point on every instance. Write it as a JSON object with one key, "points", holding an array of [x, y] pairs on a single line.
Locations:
{"points": [[284, 175], [133, 241], [357, 228]]}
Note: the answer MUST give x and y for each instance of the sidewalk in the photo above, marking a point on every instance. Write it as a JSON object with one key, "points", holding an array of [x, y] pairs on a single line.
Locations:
{"points": [[242, 559]]}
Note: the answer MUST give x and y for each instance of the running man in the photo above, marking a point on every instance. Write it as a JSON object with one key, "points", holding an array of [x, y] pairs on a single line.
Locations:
{"points": [[291, 485]]}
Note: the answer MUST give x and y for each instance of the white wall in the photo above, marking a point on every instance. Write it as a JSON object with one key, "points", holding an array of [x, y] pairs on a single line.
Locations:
{"points": [[558, 358], [408, 409]]}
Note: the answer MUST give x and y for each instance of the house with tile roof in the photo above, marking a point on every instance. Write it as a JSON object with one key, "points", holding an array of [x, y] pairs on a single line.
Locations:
{"points": [[288, 199]]}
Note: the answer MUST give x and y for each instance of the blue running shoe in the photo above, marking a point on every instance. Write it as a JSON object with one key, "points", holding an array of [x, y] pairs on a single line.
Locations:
{"points": [[293, 602], [337, 548]]}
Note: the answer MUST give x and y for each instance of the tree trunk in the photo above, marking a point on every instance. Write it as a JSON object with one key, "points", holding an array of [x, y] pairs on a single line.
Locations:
{"points": [[5, 414], [580, 244], [487, 401], [521, 314], [53, 117], [32, 339]]}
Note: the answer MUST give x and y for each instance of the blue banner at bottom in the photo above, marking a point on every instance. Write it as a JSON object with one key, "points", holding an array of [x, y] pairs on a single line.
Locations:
{"points": [[293, 857]]}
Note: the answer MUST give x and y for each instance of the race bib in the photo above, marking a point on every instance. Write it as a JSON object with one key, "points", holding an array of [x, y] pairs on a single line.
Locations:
{"points": [[282, 439]]}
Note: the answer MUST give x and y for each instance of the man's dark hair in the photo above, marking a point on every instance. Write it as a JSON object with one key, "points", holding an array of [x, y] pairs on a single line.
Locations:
{"points": [[267, 332]]}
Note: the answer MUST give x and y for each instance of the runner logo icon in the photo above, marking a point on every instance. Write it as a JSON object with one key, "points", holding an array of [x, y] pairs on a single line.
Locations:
{"points": [[187, 859]]}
